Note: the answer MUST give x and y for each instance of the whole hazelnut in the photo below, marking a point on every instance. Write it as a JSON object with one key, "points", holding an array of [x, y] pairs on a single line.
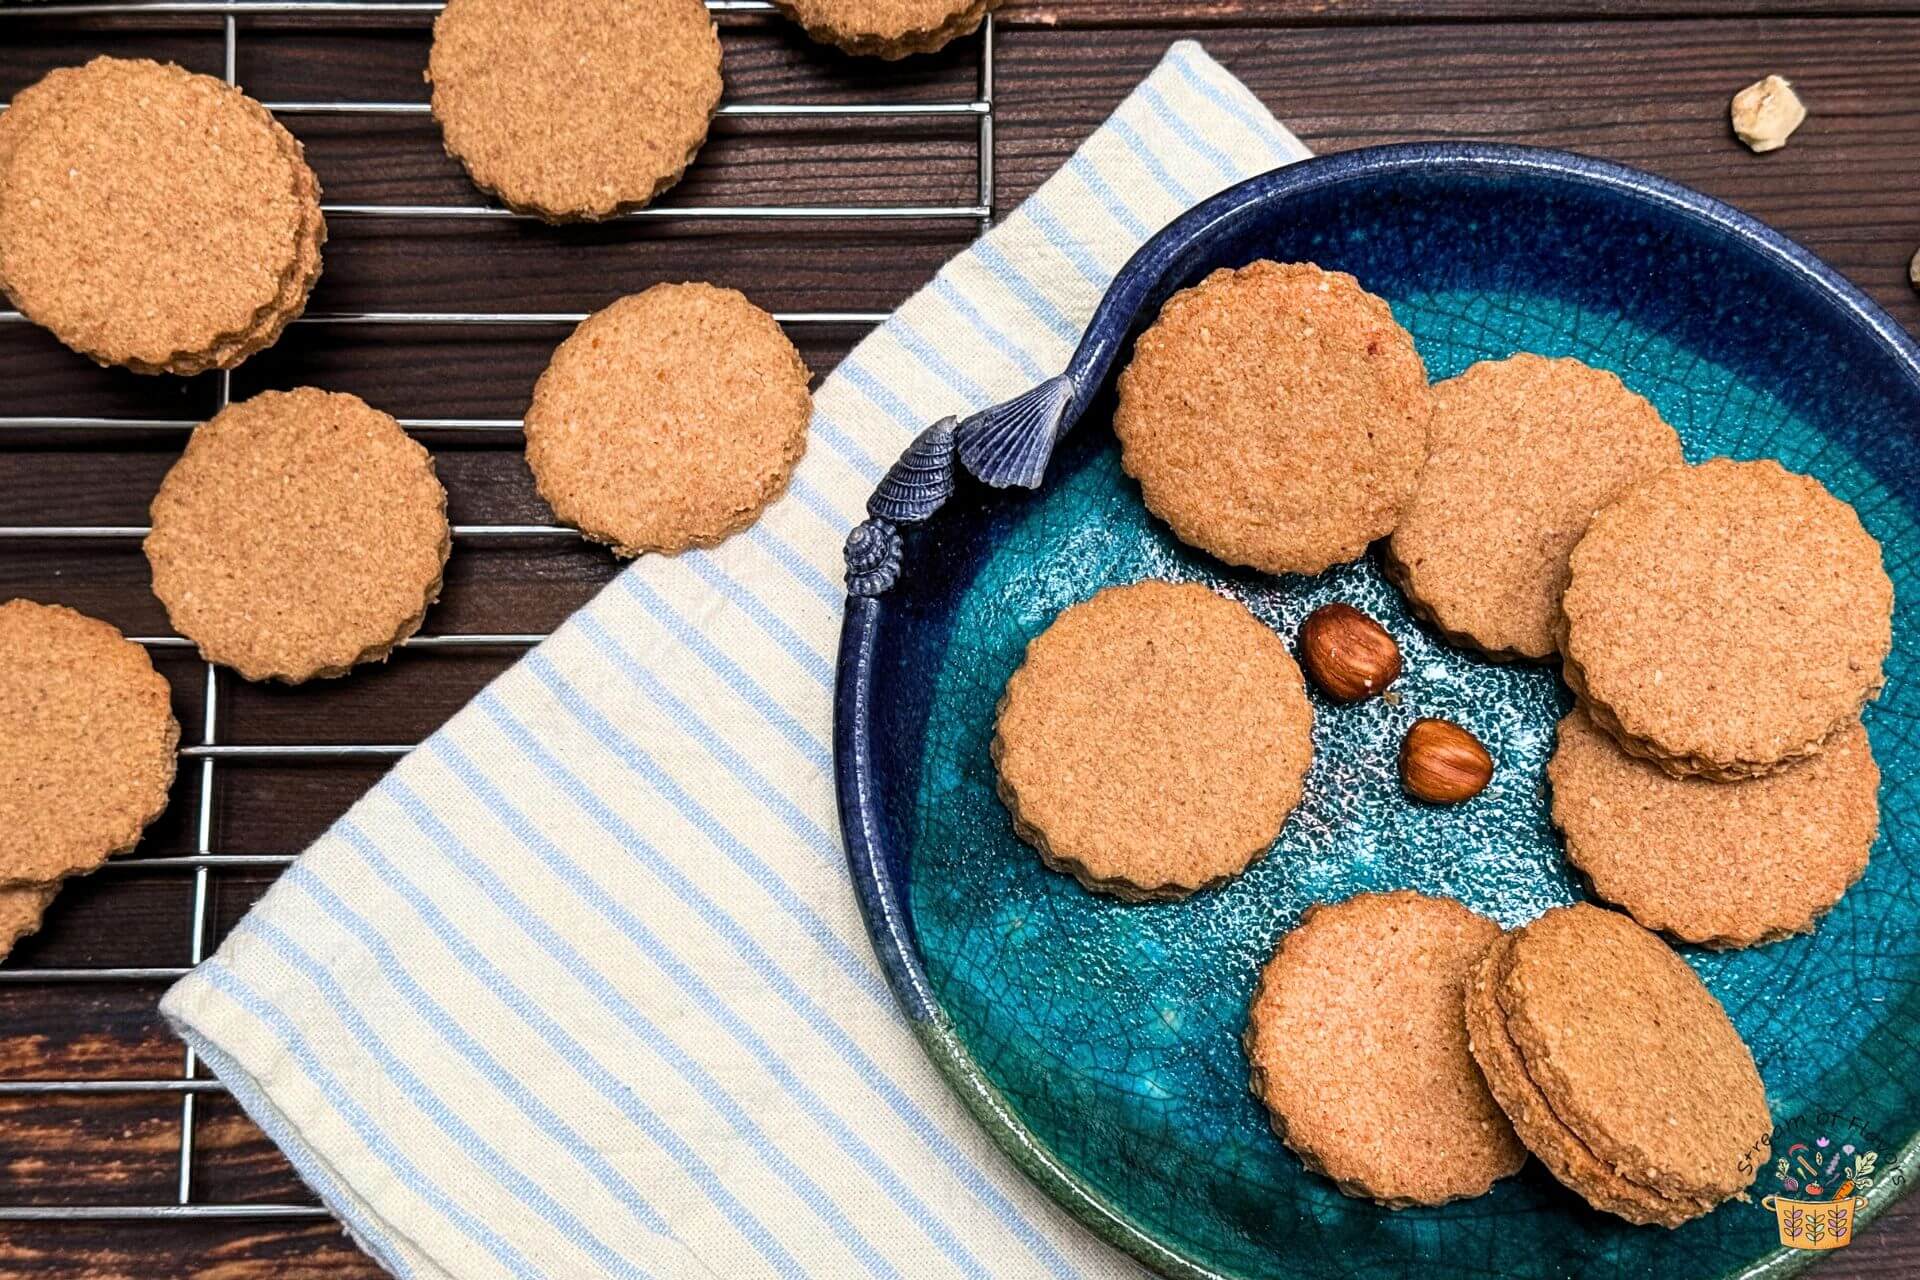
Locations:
{"points": [[1442, 763], [1348, 654]]}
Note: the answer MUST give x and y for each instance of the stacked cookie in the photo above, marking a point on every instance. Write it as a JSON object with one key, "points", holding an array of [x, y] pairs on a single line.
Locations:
{"points": [[153, 218], [87, 749]]}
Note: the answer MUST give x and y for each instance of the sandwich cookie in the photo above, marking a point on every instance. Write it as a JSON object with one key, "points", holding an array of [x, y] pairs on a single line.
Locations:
{"points": [[153, 218], [1726, 619], [1653, 1108]]}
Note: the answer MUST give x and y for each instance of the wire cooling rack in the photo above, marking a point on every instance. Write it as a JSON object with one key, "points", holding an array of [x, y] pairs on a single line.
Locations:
{"points": [[207, 753]]}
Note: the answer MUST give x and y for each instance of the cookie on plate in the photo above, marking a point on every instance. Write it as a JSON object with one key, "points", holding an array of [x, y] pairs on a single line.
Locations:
{"points": [[1726, 619], [1723, 864], [300, 533], [1542, 1132], [1521, 453], [671, 419], [1154, 740], [1358, 1050], [1634, 1059], [87, 746], [1275, 416], [153, 218], [574, 111], [887, 28]]}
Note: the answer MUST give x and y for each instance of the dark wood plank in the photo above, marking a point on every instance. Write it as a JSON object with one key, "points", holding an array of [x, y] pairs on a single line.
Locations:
{"points": [[1343, 73]]}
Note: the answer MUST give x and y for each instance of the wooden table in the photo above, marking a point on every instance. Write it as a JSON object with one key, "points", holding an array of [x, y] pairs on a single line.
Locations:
{"points": [[1646, 82]]}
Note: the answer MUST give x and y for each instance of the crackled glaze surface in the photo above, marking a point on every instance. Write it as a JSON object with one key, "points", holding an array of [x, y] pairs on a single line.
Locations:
{"points": [[1113, 1031]]}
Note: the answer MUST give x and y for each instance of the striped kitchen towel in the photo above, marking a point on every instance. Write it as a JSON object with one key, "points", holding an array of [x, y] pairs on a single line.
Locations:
{"points": [[580, 988]]}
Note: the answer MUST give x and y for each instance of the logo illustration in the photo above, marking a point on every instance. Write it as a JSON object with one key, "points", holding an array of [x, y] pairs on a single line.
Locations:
{"points": [[1822, 1185]]}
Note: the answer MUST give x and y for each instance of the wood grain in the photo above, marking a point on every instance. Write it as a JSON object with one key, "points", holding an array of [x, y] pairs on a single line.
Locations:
{"points": [[1643, 81]]}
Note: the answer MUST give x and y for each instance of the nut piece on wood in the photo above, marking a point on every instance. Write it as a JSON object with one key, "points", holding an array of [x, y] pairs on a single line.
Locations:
{"points": [[1913, 269], [1442, 763], [1348, 654], [1766, 113]]}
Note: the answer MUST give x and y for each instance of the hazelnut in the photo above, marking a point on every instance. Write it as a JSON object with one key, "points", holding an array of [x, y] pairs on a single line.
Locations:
{"points": [[1766, 113], [1348, 654], [1442, 763]]}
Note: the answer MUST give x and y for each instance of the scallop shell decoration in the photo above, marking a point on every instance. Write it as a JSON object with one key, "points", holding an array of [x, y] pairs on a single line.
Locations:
{"points": [[1010, 443]]}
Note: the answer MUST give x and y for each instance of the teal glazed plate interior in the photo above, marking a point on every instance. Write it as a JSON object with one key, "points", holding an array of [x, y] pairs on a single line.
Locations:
{"points": [[1099, 1042]]}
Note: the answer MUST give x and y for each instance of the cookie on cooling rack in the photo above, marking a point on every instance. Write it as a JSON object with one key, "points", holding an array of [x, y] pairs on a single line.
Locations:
{"points": [[300, 533], [1723, 864], [1276, 416], [1153, 741], [22, 907], [1357, 1049], [87, 748], [887, 28], [1522, 452], [1725, 619], [669, 420], [153, 218], [579, 110]]}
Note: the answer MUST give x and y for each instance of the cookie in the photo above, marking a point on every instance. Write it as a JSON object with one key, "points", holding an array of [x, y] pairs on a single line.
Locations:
{"points": [[1725, 619], [87, 744], [21, 909], [1635, 1055], [1521, 453], [1724, 864], [669, 420], [150, 217], [1154, 740], [887, 28], [300, 533], [1275, 416], [574, 111], [1539, 1129], [1359, 1052]]}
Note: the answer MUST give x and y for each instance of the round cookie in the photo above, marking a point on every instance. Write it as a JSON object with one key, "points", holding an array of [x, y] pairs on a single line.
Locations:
{"points": [[1724, 864], [149, 215], [1275, 416], [1154, 740], [1358, 1050], [1521, 453], [887, 28], [1557, 1146], [1725, 619], [1635, 1055], [301, 532], [87, 744], [669, 420], [576, 110], [21, 908]]}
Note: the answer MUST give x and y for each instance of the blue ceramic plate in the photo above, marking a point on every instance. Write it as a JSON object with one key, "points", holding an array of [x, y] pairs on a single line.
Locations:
{"points": [[1098, 1042]]}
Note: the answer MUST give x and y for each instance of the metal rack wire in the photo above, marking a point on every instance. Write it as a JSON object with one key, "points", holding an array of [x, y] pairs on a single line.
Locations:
{"points": [[209, 751]]}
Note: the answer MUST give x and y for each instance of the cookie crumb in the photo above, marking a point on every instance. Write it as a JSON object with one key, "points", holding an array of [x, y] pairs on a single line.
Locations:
{"points": [[1766, 113]]}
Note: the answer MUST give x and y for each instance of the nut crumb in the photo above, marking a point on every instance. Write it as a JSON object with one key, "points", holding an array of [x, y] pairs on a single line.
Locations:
{"points": [[1913, 269], [1766, 113]]}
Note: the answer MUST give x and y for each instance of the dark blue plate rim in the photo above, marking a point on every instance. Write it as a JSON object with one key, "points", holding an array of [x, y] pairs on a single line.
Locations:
{"points": [[882, 897]]}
